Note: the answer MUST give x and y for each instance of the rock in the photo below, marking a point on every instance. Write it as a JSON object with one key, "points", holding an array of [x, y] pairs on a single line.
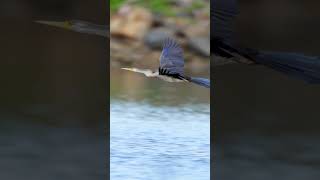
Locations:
{"points": [[198, 66], [132, 53], [155, 37], [131, 22], [201, 45], [201, 28], [184, 3]]}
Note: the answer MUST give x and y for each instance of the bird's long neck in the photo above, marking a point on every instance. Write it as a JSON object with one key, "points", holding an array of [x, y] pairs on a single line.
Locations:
{"points": [[152, 74], [90, 28]]}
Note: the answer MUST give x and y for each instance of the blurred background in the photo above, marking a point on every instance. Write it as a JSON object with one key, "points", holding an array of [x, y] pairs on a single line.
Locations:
{"points": [[159, 130], [53, 88], [269, 122], [139, 27], [53, 94]]}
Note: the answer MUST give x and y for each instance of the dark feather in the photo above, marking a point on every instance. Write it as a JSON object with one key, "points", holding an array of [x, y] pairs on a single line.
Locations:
{"points": [[222, 14], [166, 72], [171, 58], [201, 81], [292, 64]]}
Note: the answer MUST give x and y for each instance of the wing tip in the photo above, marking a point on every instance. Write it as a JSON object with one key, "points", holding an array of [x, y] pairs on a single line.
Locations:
{"points": [[170, 43]]}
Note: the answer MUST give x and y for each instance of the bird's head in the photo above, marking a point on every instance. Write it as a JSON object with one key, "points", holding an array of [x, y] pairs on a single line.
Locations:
{"points": [[146, 72], [61, 24], [130, 69]]}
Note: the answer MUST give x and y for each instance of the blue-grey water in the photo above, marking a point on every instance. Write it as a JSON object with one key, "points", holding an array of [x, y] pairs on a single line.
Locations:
{"points": [[51, 112], [158, 132], [32, 148], [267, 123]]}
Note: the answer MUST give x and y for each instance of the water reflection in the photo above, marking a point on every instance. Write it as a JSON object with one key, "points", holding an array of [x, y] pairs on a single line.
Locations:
{"points": [[136, 87]]}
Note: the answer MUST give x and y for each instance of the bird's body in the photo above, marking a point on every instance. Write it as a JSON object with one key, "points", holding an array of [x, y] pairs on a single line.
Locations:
{"points": [[171, 66], [156, 74], [171, 79]]}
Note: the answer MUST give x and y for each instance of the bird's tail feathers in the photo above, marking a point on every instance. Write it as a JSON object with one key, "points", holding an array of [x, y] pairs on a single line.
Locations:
{"points": [[292, 64], [201, 81]]}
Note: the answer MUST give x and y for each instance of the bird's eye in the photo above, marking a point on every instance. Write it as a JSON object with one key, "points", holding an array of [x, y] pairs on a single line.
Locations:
{"points": [[68, 23]]}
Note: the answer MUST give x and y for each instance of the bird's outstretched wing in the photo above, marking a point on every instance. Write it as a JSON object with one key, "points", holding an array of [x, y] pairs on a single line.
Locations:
{"points": [[222, 14], [297, 65], [171, 59]]}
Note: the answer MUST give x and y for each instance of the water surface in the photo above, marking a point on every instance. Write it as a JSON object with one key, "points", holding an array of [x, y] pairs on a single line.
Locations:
{"points": [[159, 130]]}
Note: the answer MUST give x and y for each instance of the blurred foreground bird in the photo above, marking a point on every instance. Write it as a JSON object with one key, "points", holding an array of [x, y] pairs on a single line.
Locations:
{"points": [[171, 59], [297, 65], [79, 26], [171, 66], [222, 13]]}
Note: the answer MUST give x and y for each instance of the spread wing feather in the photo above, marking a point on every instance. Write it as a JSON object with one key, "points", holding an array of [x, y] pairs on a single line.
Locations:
{"points": [[222, 14], [171, 58]]}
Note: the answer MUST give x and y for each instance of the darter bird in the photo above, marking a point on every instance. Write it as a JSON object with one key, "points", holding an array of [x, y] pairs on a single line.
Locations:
{"points": [[171, 66], [171, 59], [223, 46], [79, 26]]}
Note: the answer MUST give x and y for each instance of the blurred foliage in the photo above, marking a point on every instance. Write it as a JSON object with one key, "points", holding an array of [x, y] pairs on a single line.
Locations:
{"points": [[157, 6], [197, 5], [116, 4]]}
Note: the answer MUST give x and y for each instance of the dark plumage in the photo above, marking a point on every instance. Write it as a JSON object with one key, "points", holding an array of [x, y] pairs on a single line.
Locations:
{"points": [[296, 65], [171, 58], [172, 65]]}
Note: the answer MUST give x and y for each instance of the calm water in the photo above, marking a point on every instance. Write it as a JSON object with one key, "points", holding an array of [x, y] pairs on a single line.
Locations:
{"points": [[270, 125], [51, 113], [158, 130], [34, 149]]}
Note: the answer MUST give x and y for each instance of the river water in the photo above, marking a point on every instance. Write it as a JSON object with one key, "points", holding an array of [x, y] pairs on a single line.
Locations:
{"points": [[267, 125], [158, 130]]}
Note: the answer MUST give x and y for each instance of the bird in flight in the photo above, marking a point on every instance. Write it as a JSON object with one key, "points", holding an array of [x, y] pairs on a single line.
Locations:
{"points": [[79, 26], [171, 59], [223, 48], [171, 66], [223, 13]]}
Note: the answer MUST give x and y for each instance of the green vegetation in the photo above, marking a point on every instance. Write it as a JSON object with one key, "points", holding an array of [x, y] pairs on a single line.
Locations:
{"points": [[165, 7], [116, 4], [197, 5], [158, 6]]}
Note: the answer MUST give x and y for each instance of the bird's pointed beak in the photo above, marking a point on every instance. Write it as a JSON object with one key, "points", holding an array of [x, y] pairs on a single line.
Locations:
{"points": [[129, 69], [60, 24]]}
